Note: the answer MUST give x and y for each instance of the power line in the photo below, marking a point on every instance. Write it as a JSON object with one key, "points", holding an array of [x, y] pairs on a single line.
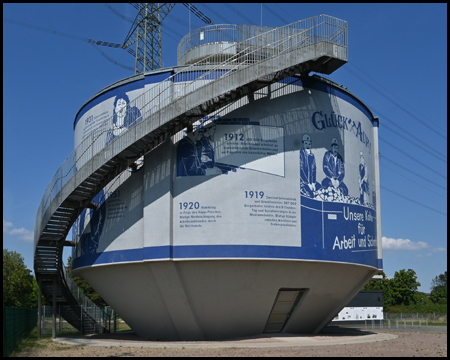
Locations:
{"points": [[198, 13], [215, 13], [123, 17], [372, 79], [286, 12], [412, 136], [79, 38], [60, 33], [409, 178], [273, 12], [411, 157], [112, 60], [436, 154], [414, 201], [239, 13], [395, 103], [168, 28], [412, 172]]}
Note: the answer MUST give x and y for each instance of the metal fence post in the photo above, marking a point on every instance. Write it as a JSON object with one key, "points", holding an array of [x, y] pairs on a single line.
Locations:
{"points": [[39, 324], [404, 320], [396, 323], [54, 311], [43, 322]]}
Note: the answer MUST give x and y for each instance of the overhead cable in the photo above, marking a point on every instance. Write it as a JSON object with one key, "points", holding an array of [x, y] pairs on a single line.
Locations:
{"points": [[123, 17], [372, 79], [414, 201], [215, 13], [198, 13], [397, 104], [412, 172], [412, 157], [404, 131], [239, 13], [409, 179], [435, 154], [112, 60]]}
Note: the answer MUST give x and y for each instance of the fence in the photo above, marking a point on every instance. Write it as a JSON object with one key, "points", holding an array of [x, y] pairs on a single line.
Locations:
{"points": [[17, 325], [401, 321], [415, 318], [64, 328]]}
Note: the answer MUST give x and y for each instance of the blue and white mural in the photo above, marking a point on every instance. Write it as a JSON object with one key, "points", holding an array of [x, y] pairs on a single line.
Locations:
{"points": [[288, 176]]}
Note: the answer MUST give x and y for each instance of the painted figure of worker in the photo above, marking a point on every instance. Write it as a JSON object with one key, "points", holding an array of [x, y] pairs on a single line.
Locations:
{"points": [[333, 167], [124, 116], [363, 180], [89, 226], [188, 156], [308, 183], [205, 146]]}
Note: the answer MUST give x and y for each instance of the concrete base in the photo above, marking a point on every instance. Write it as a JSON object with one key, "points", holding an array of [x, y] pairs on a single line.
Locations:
{"points": [[221, 299], [260, 341]]}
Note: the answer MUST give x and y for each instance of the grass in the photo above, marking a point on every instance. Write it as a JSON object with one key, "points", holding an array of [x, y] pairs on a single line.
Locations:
{"points": [[46, 339], [32, 342]]}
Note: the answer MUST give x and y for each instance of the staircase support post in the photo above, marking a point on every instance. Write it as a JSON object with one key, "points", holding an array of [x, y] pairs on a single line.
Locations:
{"points": [[54, 310], [39, 324]]}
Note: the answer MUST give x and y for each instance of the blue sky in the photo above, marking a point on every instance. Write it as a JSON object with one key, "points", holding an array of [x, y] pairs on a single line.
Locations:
{"points": [[397, 66]]}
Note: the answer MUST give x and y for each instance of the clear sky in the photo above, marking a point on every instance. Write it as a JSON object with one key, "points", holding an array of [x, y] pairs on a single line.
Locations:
{"points": [[397, 66]]}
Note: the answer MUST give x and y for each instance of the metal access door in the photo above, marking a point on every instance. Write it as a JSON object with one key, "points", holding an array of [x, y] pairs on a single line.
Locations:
{"points": [[284, 305]]}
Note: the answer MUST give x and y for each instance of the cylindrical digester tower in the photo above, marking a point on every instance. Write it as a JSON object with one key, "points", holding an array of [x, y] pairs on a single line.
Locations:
{"points": [[262, 218]]}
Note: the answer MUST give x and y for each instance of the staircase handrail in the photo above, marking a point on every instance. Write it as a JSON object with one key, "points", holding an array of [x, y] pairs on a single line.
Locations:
{"points": [[89, 308]]}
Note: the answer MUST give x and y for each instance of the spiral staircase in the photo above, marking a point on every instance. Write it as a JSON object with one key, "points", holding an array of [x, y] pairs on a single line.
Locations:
{"points": [[317, 44]]}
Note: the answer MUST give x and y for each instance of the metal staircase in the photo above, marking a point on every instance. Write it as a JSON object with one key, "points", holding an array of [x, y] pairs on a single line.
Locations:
{"points": [[316, 44]]}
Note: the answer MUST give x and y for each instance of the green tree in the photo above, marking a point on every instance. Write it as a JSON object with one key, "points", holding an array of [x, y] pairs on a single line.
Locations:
{"points": [[439, 281], [439, 289], [87, 289], [439, 295], [403, 287], [17, 281], [383, 285], [420, 298]]}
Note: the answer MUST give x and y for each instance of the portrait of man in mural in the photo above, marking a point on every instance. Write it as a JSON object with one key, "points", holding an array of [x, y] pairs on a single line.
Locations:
{"points": [[334, 169], [124, 116], [205, 147], [308, 183], [195, 153], [188, 162], [363, 180]]}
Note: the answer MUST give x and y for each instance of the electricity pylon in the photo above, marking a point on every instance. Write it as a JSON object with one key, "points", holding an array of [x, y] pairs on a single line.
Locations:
{"points": [[146, 33]]}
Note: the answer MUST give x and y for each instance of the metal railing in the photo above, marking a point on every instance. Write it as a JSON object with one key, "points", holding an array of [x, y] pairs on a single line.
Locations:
{"points": [[87, 306]]}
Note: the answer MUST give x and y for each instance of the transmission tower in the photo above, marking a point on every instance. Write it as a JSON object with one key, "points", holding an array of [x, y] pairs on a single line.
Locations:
{"points": [[146, 33]]}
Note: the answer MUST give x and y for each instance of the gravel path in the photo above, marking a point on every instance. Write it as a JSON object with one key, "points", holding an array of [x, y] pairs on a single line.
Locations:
{"points": [[405, 344]]}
